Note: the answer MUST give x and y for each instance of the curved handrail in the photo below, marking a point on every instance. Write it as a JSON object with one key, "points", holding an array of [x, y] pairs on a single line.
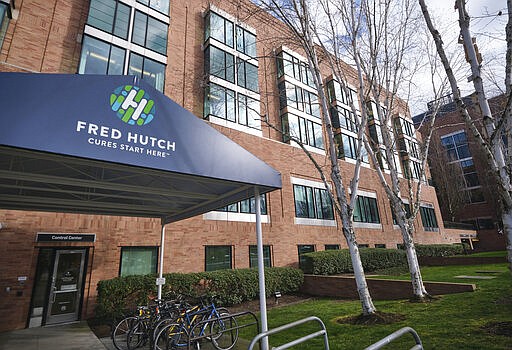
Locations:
{"points": [[322, 332], [395, 335]]}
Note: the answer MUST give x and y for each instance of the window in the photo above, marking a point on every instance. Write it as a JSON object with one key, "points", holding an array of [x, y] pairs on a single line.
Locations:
{"points": [[138, 260], [347, 147], [99, 57], [428, 218], [335, 94], [147, 69], [219, 63], [218, 258], [366, 210], [248, 112], [294, 68], [220, 102], [247, 206], [363, 246], [253, 256], [312, 203], [456, 146], [296, 97], [159, 5], [332, 247], [342, 117], [247, 75], [110, 16], [104, 54], [303, 249], [4, 21], [149, 33], [407, 208], [245, 42], [219, 28], [380, 245], [304, 130]]}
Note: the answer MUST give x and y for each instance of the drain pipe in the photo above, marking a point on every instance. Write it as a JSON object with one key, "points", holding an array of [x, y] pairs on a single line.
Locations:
{"points": [[160, 281], [261, 269]]}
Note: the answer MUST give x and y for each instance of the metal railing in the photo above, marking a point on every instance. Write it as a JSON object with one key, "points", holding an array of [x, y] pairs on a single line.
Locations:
{"points": [[395, 335], [322, 332]]}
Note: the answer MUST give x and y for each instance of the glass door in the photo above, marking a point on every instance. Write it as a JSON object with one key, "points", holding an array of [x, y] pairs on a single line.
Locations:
{"points": [[66, 286]]}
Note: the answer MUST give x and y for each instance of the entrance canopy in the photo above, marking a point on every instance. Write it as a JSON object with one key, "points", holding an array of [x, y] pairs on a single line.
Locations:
{"points": [[114, 145]]}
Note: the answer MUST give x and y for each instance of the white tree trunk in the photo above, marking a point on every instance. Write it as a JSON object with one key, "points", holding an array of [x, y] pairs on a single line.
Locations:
{"points": [[507, 229], [418, 287]]}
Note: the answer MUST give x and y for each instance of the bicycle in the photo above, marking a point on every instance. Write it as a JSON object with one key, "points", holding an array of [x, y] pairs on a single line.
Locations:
{"points": [[197, 323]]}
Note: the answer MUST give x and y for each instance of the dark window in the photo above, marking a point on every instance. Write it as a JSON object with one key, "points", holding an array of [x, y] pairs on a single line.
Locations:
{"points": [[4, 21], [159, 5], [247, 206], [428, 218], [407, 208], [220, 63], [379, 245], [150, 33], [247, 75], [110, 16], [218, 258], [363, 246], [245, 42], [456, 146], [220, 102], [138, 260], [332, 247], [366, 210], [249, 112], [99, 57], [219, 28], [303, 249], [253, 256], [304, 130], [312, 203], [151, 71], [485, 224]]}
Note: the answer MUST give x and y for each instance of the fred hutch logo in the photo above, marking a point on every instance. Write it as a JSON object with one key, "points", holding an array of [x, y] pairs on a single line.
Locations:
{"points": [[132, 105]]}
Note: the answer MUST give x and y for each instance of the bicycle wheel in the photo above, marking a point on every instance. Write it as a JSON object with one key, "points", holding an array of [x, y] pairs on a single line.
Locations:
{"points": [[121, 331], [171, 337], [224, 332], [137, 336]]}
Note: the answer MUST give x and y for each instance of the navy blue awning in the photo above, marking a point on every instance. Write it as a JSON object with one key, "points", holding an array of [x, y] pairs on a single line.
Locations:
{"points": [[115, 145]]}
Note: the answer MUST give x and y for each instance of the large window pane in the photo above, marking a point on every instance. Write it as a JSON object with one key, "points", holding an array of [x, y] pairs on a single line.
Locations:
{"points": [[366, 210], [217, 258], [253, 256], [159, 5], [99, 57], [138, 260], [122, 21], [101, 14], [139, 28], [151, 71], [303, 249], [156, 37]]}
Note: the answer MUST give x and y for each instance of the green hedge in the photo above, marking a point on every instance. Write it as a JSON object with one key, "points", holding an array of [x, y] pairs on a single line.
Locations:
{"points": [[439, 249], [331, 262], [120, 296]]}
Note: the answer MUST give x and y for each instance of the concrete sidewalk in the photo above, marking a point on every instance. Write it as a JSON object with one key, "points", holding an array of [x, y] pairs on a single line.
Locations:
{"points": [[71, 336]]}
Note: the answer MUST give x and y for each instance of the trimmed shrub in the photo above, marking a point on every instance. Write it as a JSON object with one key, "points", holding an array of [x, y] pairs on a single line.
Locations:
{"points": [[439, 249], [120, 296], [332, 262]]}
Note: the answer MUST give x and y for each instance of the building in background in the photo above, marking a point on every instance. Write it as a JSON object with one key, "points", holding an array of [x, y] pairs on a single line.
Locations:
{"points": [[465, 188], [230, 64]]}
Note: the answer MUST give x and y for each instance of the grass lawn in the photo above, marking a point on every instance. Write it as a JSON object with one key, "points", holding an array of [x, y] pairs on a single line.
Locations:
{"points": [[452, 322]]}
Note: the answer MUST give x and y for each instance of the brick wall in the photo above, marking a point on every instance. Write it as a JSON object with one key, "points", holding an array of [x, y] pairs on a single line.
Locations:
{"points": [[345, 287]]}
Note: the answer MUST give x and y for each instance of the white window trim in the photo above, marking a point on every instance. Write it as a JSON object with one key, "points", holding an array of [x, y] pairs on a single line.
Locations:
{"points": [[306, 182], [315, 222], [233, 125], [228, 216], [367, 225]]}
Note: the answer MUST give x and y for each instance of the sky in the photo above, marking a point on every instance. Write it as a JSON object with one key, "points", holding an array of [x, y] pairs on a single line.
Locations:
{"points": [[489, 30]]}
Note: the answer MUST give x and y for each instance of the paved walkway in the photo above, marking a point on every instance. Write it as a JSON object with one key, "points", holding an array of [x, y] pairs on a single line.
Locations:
{"points": [[72, 336]]}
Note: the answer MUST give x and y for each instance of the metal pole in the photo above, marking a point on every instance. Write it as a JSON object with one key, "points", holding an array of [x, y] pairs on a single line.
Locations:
{"points": [[161, 273], [261, 270]]}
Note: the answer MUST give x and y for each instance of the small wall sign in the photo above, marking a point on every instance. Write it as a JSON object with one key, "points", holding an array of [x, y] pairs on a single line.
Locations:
{"points": [[65, 237]]}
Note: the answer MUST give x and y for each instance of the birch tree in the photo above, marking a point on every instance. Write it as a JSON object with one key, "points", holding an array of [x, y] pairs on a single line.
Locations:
{"points": [[495, 128], [297, 16], [379, 35]]}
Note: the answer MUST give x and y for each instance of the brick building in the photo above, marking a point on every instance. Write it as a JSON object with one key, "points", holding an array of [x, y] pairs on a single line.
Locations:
{"points": [[228, 63], [474, 202]]}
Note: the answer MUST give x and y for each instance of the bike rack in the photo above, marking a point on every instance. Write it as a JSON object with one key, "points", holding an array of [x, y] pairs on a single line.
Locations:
{"points": [[395, 335], [224, 317], [322, 332]]}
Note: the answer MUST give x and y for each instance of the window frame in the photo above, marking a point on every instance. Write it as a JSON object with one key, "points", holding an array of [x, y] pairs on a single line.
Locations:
{"points": [[154, 249], [208, 247], [267, 256]]}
